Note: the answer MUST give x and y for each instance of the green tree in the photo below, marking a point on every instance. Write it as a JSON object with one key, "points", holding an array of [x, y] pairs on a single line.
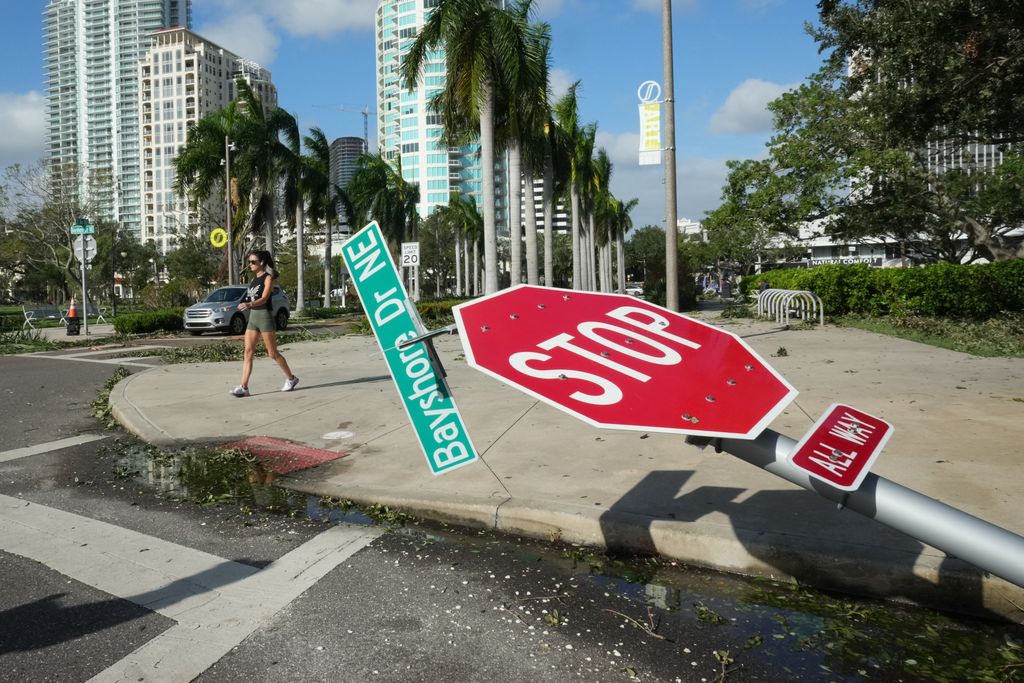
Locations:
{"points": [[259, 162], [321, 194], [576, 142], [868, 144], [485, 48], [745, 230], [378, 192], [42, 204]]}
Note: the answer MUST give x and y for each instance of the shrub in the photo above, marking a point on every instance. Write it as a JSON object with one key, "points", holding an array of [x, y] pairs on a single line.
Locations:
{"points": [[943, 289], [168, 319]]}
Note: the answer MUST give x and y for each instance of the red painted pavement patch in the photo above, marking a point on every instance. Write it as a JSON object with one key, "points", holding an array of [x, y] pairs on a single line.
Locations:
{"points": [[281, 457]]}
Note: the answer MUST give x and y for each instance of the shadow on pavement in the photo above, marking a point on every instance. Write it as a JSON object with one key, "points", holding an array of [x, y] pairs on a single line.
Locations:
{"points": [[878, 558], [46, 622]]}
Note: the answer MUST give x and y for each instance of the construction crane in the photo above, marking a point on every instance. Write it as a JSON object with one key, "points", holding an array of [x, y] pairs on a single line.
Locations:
{"points": [[365, 111]]}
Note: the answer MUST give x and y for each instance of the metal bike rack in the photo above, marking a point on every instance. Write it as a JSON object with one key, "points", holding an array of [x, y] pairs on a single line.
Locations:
{"points": [[781, 303]]}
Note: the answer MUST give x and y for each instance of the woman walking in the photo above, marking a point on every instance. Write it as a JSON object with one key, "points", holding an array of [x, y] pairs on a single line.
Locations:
{"points": [[261, 322]]}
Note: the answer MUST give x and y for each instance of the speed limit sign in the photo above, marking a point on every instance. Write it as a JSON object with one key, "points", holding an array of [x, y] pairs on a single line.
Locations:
{"points": [[410, 254]]}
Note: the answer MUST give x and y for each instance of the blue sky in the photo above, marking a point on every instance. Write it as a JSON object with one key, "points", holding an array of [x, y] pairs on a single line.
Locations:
{"points": [[731, 57]]}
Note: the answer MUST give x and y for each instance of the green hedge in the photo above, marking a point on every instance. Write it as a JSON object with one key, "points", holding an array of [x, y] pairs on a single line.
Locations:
{"points": [[943, 289], [168, 319]]}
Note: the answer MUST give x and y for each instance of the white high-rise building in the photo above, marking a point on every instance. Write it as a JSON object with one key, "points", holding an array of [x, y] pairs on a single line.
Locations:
{"points": [[408, 130], [182, 78], [92, 50]]}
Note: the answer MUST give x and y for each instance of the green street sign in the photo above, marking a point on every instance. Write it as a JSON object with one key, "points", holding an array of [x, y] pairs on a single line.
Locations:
{"points": [[428, 402], [81, 228]]}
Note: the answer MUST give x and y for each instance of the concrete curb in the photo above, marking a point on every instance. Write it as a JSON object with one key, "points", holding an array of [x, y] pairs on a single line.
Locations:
{"points": [[935, 580]]}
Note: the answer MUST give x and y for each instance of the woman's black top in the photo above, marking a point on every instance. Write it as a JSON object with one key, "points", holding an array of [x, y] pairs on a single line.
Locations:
{"points": [[256, 288]]}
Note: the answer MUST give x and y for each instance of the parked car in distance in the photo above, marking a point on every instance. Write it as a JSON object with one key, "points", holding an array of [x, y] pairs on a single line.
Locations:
{"points": [[218, 312], [634, 289]]}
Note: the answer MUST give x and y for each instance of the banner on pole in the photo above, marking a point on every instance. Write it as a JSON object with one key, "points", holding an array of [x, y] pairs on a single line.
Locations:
{"points": [[649, 94]]}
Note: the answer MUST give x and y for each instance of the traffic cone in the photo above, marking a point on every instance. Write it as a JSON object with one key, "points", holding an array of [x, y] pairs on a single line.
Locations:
{"points": [[72, 311]]}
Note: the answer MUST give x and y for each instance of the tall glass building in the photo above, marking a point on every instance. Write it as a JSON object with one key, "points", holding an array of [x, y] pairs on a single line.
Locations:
{"points": [[92, 51], [345, 152], [406, 127]]}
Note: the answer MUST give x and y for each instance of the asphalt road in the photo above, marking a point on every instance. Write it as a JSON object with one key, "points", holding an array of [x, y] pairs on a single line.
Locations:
{"points": [[105, 578]]}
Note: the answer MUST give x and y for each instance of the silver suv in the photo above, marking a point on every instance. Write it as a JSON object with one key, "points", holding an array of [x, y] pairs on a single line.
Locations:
{"points": [[219, 311]]}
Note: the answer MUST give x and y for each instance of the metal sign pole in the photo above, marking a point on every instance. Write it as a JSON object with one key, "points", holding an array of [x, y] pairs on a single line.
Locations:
{"points": [[953, 531], [85, 295]]}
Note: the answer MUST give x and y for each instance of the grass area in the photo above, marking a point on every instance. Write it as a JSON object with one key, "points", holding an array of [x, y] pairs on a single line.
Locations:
{"points": [[1002, 336]]}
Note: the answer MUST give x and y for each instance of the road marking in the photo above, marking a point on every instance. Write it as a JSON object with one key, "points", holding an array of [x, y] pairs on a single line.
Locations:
{"points": [[108, 361], [216, 603], [25, 452]]}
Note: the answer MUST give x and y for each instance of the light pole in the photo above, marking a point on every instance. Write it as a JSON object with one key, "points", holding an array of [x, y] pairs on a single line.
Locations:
{"points": [[671, 229], [124, 255], [228, 147], [113, 276]]}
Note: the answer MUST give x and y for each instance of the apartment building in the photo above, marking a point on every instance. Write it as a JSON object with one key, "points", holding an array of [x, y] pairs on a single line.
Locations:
{"points": [[407, 129], [182, 78], [92, 50]]}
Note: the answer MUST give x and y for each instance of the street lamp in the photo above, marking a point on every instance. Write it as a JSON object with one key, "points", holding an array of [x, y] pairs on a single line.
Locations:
{"points": [[228, 148], [156, 273]]}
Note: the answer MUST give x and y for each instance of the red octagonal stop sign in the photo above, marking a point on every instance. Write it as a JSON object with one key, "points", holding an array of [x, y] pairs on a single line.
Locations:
{"points": [[619, 362]]}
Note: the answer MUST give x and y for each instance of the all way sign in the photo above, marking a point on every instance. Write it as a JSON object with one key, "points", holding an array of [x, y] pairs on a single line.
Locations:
{"points": [[428, 402], [841, 446]]}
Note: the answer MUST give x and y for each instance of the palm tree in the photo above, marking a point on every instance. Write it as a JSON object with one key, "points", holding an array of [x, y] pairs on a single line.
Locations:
{"points": [[377, 191], [579, 142], [622, 225], [463, 213], [532, 113], [260, 160], [263, 158], [199, 167], [322, 194], [601, 217], [486, 47]]}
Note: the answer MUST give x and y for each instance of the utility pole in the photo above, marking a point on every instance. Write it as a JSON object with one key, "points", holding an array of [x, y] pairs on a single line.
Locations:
{"points": [[671, 229], [227, 210]]}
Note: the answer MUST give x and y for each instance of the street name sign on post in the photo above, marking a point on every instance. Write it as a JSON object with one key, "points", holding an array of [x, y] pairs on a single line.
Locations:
{"points": [[619, 362], [82, 227], [841, 446], [425, 395]]}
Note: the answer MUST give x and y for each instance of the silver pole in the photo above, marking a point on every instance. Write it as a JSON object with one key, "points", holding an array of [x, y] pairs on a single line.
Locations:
{"points": [[85, 290], [227, 210], [953, 531], [671, 229]]}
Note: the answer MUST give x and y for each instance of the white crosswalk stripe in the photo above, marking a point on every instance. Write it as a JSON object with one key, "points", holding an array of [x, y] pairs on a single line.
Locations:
{"points": [[216, 602]]}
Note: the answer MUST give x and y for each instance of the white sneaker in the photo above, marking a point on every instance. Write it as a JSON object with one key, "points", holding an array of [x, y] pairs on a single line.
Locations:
{"points": [[290, 384], [239, 391]]}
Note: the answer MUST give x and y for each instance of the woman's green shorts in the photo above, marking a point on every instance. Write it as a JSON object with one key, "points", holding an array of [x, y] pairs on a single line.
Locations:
{"points": [[261, 321]]}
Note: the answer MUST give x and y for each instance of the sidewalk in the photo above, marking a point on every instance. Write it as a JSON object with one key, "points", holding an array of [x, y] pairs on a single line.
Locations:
{"points": [[959, 425], [97, 331]]}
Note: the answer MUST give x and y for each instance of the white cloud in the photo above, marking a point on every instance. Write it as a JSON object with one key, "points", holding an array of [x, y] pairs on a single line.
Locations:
{"points": [[559, 81], [22, 120], [302, 18], [699, 181], [321, 18], [247, 35], [746, 108]]}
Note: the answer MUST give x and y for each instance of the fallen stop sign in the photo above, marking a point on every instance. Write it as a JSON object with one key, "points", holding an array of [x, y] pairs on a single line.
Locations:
{"points": [[620, 362]]}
